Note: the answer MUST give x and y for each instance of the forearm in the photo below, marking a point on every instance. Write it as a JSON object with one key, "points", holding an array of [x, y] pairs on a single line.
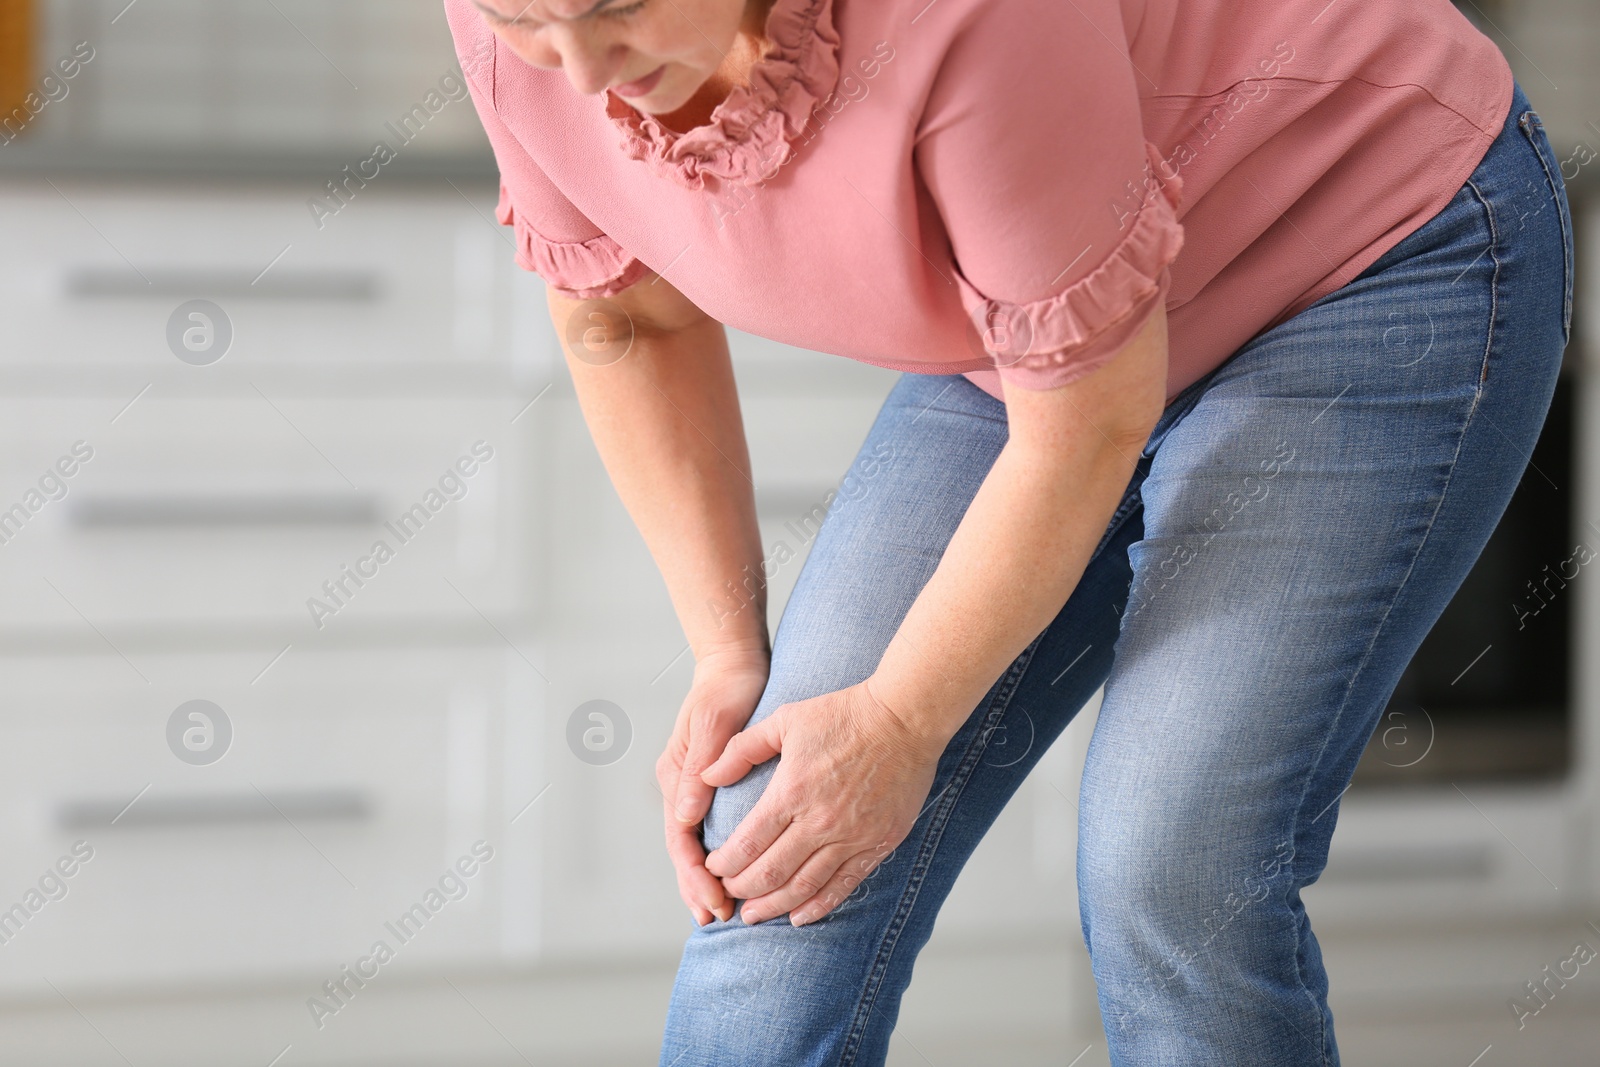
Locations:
{"points": [[665, 420], [1013, 561], [1027, 535]]}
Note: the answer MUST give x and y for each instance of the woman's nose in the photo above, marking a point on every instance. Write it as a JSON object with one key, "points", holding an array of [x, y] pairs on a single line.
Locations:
{"points": [[590, 67], [590, 72]]}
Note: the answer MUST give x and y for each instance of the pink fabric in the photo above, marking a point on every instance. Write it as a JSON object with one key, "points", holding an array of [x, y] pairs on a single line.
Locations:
{"points": [[1005, 188]]}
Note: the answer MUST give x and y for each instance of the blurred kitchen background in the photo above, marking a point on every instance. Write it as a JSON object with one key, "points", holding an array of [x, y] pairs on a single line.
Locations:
{"points": [[213, 796]]}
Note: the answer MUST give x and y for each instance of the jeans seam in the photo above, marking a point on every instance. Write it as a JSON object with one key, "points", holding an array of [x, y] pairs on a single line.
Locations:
{"points": [[1526, 122], [945, 806], [1494, 302]]}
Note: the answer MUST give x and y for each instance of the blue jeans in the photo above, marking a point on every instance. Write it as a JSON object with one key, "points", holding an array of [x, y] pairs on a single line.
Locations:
{"points": [[1296, 525]]}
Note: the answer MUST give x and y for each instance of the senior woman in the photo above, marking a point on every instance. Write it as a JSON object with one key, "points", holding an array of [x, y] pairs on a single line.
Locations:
{"points": [[1227, 328]]}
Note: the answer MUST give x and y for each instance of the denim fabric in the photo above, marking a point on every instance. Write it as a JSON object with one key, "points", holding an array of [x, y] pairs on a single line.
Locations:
{"points": [[1297, 523]]}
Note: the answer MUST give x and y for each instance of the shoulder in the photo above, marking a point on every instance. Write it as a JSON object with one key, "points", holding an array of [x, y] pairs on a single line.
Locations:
{"points": [[1017, 36]]}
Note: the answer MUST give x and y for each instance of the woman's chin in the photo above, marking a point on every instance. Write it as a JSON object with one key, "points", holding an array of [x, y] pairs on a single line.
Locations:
{"points": [[676, 91], [662, 100]]}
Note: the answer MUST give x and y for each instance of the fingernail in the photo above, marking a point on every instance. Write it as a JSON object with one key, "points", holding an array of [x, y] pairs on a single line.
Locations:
{"points": [[799, 918], [750, 917], [685, 810], [711, 857]]}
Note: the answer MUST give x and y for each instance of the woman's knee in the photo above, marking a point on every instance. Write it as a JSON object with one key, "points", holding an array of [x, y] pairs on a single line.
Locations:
{"points": [[1178, 879], [730, 804]]}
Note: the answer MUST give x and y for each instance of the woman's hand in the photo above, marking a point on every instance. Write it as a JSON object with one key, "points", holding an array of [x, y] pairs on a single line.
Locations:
{"points": [[853, 779], [726, 688]]}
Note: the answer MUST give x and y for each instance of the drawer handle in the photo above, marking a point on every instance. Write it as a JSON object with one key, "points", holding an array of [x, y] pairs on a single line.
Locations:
{"points": [[290, 509], [351, 286], [213, 809]]}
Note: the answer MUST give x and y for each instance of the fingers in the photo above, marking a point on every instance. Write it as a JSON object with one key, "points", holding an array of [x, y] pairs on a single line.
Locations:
{"points": [[702, 893], [700, 890], [850, 874], [692, 798], [750, 839], [745, 749], [702, 729], [807, 881], [781, 862]]}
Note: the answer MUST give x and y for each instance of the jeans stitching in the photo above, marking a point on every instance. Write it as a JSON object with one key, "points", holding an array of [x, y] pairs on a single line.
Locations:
{"points": [[929, 846], [1494, 301], [1529, 121]]}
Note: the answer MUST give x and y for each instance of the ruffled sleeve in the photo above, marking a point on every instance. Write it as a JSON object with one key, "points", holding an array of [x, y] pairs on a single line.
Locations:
{"points": [[553, 238], [1062, 218], [581, 269]]}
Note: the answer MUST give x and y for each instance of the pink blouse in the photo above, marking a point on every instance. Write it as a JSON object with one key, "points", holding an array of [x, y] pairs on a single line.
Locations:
{"points": [[1004, 188]]}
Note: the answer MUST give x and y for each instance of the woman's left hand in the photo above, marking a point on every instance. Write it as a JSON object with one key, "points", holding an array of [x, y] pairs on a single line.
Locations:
{"points": [[853, 779]]}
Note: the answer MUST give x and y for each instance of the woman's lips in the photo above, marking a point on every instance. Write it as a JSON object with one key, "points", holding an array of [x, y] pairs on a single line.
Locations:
{"points": [[641, 86]]}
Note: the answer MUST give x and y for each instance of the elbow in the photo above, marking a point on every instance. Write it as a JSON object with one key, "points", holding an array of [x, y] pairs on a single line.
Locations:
{"points": [[1117, 406], [651, 305]]}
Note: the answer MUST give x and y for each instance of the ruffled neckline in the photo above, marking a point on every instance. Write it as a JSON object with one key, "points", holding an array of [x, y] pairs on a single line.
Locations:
{"points": [[750, 134]]}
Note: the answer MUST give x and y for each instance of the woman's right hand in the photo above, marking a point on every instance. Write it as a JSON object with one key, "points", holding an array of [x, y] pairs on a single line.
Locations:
{"points": [[726, 688]]}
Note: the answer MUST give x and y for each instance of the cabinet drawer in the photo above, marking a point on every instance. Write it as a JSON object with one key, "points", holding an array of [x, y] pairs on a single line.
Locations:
{"points": [[240, 510], [92, 274], [351, 783]]}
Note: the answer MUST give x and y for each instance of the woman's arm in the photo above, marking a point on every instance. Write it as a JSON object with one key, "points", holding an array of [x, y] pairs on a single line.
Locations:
{"points": [[1027, 535], [858, 764], [665, 420]]}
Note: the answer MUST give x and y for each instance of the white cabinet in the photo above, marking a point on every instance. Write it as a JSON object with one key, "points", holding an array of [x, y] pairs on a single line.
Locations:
{"points": [[175, 530]]}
